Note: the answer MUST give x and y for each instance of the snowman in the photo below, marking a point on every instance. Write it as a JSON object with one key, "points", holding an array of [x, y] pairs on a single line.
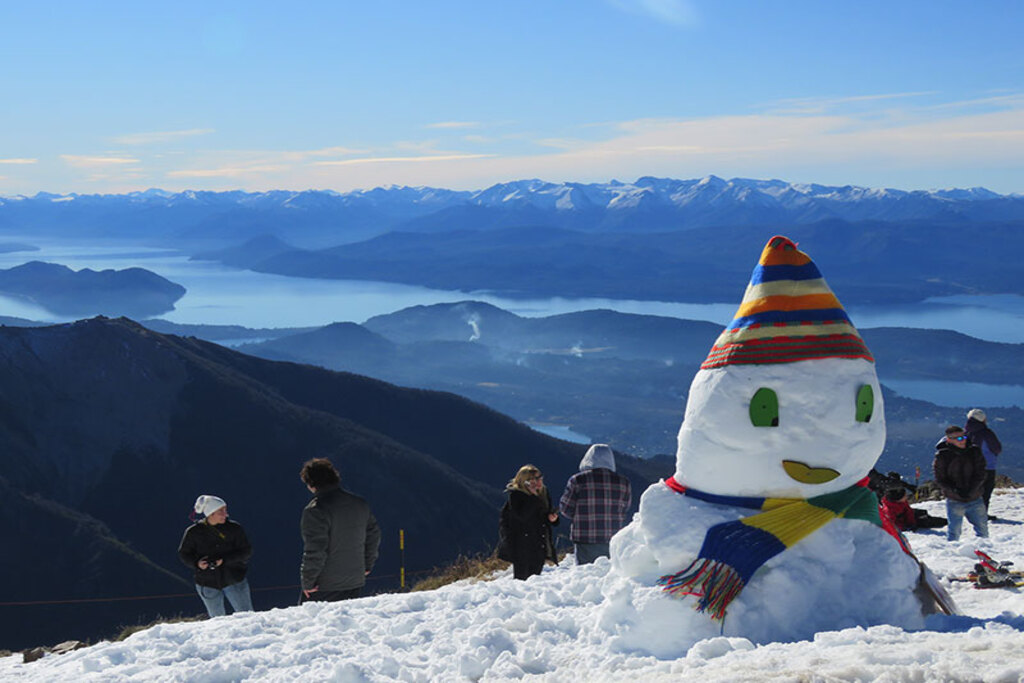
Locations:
{"points": [[767, 531]]}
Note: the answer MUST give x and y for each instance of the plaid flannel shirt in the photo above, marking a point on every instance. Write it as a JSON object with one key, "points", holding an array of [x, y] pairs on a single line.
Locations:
{"points": [[596, 502]]}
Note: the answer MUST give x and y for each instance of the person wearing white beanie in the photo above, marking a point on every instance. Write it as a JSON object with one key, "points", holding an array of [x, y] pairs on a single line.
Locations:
{"points": [[218, 552], [982, 436], [207, 504]]}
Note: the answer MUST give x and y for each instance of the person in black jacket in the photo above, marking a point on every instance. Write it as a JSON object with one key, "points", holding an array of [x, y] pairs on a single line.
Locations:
{"points": [[218, 552], [340, 537], [960, 473], [526, 521]]}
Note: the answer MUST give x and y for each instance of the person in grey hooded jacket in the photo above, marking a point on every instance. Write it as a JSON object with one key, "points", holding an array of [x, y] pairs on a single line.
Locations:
{"points": [[596, 500], [340, 536]]}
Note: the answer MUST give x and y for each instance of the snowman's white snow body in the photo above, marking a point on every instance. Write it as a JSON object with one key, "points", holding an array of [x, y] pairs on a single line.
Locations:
{"points": [[847, 573]]}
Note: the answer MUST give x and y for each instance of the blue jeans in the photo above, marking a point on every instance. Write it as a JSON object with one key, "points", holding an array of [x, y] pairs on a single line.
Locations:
{"points": [[975, 512], [237, 594], [588, 552]]}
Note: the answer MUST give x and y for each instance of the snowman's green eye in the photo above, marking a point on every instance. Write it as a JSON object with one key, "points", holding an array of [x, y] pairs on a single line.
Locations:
{"points": [[865, 403], [764, 408]]}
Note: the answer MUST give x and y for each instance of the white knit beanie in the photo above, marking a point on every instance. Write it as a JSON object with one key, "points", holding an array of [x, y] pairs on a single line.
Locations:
{"points": [[976, 413], [206, 504]]}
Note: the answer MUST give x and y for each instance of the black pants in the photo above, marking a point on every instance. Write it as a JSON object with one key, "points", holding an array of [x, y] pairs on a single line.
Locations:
{"points": [[990, 485], [524, 569], [330, 596]]}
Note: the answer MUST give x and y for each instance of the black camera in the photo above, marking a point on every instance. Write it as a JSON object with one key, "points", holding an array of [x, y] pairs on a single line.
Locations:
{"points": [[882, 483]]}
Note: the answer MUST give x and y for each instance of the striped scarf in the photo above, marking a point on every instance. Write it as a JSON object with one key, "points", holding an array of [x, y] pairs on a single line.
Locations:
{"points": [[733, 551]]}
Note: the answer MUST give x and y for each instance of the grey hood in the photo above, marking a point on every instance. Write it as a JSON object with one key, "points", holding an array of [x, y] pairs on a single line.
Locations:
{"points": [[598, 456]]}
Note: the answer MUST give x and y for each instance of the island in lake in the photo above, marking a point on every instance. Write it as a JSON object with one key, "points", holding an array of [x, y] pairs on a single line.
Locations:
{"points": [[132, 292]]}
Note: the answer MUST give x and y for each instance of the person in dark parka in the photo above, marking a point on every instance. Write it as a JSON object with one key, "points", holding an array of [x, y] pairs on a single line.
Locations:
{"points": [[340, 537], [218, 551], [525, 525], [960, 473]]}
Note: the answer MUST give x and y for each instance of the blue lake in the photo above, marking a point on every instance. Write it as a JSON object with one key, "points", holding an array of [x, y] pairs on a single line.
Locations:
{"points": [[560, 432], [959, 394], [221, 295]]}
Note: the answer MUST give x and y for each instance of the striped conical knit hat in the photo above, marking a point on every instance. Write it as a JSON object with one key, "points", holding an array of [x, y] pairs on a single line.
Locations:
{"points": [[788, 314]]}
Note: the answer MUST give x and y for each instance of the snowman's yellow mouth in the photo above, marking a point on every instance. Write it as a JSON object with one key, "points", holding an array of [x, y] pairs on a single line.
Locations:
{"points": [[805, 474]]}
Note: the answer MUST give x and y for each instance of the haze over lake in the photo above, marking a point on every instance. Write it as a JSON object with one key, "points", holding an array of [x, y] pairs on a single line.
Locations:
{"points": [[221, 295]]}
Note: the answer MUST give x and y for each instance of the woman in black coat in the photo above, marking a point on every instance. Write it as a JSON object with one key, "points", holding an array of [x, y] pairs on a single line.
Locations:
{"points": [[218, 551], [526, 521]]}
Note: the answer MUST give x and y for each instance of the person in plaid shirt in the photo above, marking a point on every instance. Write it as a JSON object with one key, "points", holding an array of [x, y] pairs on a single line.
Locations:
{"points": [[596, 501]]}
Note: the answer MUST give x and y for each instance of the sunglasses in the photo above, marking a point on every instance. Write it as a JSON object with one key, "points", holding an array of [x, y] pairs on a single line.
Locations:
{"points": [[958, 438]]}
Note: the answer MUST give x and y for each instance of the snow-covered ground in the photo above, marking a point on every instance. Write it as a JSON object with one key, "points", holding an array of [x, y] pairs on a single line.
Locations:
{"points": [[557, 627]]}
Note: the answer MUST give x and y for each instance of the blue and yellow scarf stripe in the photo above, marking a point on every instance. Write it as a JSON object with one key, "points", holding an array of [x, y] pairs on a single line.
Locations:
{"points": [[733, 551]]}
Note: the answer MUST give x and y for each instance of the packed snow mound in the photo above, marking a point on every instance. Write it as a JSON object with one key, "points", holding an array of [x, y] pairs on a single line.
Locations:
{"points": [[763, 531], [559, 626], [851, 573]]}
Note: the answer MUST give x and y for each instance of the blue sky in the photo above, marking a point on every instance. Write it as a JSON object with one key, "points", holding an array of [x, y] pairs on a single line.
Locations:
{"points": [[121, 96]]}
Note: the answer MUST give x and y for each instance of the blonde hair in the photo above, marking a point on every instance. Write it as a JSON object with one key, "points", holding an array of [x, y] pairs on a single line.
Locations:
{"points": [[525, 474]]}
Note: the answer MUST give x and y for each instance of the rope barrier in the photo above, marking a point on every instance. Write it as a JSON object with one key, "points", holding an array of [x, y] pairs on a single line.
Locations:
{"points": [[77, 601], [401, 576]]}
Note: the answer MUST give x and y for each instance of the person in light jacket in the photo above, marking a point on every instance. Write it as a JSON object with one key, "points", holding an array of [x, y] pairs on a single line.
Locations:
{"points": [[340, 537]]}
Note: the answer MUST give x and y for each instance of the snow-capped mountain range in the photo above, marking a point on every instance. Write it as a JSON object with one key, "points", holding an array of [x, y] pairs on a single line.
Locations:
{"points": [[645, 205], [568, 196]]}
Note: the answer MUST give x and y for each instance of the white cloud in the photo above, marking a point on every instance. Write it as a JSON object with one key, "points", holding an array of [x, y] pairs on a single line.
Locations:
{"points": [[227, 172], [252, 164], [821, 105], [160, 137], [1008, 100], [454, 124], [561, 143], [414, 160], [874, 140], [18, 161], [329, 151], [96, 161], [877, 146], [675, 12]]}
